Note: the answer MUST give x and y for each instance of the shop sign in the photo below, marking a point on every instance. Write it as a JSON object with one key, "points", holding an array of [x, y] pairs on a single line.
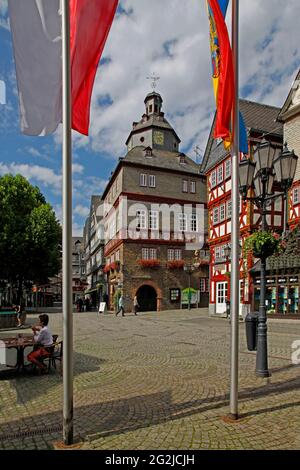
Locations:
{"points": [[294, 279], [282, 279], [270, 281]]}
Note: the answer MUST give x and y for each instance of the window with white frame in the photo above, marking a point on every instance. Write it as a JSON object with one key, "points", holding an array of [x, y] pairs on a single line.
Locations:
{"points": [[222, 212], [152, 181], [143, 179], [296, 196], [193, 222], [141, 219], [174, 254], [203, 284], [229, 209], [193, 186], [145, 253], [182, 219], [152, 253], [153, 220], [228, 168], [240, 204], [220, 174], [215, 215], [218, 252], [184, 186], [112, 258], [118, 255], [213, 179]]}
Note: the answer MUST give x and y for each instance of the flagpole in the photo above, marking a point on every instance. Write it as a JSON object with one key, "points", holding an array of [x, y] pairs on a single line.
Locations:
{"points": [[235, 224], [67, 231]]}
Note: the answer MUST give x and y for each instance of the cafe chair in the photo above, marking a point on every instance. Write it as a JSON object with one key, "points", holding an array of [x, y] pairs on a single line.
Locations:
{"points": [[56, 354]]}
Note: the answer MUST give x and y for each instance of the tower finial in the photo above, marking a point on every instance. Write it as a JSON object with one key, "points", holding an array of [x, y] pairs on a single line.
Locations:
{"points": [[154, 79]]}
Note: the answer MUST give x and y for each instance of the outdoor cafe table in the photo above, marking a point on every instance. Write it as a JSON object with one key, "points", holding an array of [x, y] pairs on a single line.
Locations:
{"points": [[12, 350]]}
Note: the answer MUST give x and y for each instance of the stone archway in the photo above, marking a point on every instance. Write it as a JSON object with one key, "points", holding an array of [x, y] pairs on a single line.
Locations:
{"points": [[149, 296]]}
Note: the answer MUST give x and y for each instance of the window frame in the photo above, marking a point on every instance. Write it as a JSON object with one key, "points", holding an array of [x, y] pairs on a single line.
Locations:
{"points": [[143, 180], [185, 186], [152, 181]]}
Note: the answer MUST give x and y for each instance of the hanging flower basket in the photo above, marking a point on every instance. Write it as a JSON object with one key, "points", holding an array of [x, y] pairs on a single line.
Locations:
{"points": [[106, 268], [149, 263], [176, 264], [262, 245]]}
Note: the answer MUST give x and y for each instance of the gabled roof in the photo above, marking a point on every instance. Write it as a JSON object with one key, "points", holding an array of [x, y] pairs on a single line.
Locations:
{"points": [[258, 117], [285, 108]]}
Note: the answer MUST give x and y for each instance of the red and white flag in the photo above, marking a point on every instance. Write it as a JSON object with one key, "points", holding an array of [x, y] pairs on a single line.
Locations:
{"points": [[36, 28]]}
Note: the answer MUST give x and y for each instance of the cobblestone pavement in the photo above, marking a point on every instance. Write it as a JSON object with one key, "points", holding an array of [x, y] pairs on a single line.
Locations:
{"points": [[157, 381]]}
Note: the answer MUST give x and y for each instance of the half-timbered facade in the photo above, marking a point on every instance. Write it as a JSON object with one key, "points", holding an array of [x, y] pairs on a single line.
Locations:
{"points": [[260, 120]]}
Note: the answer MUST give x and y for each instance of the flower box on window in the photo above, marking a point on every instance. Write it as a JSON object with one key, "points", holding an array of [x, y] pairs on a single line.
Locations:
{"points": [[176, 264], [149, 263], [115, 266], [106, 268]]}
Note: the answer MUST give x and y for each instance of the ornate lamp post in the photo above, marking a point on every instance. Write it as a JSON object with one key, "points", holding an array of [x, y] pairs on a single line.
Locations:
{"points": [[269, 162]]}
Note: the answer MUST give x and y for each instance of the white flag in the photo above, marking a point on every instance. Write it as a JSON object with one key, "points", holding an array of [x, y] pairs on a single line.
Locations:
{"points": [[36, 29]]}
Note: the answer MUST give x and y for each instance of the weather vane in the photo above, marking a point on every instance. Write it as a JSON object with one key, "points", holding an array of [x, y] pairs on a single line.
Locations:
{"points": [[154, 79]]}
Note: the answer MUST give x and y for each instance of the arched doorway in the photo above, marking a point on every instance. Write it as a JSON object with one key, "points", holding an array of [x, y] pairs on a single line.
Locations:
{"points": [[147, 298]]}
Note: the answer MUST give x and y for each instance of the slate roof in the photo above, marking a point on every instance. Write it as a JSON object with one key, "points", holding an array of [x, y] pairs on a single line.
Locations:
{"points": [[258, 117], [162, 159], [153, 121]]}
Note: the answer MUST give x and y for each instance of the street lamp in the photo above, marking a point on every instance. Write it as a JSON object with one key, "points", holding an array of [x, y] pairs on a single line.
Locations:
{"points": [[189, 269], [269, 162]]}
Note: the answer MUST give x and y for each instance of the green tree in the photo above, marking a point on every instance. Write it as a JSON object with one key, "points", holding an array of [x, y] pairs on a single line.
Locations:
{"points": [[30, 234]]}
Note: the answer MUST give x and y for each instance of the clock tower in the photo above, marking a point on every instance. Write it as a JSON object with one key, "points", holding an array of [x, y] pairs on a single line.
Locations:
{"points": [[153, 130]]}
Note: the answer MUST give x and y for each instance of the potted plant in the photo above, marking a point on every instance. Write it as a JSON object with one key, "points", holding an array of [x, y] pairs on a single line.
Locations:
{"points": [[149, 263], [176, 264], [262, 244]]}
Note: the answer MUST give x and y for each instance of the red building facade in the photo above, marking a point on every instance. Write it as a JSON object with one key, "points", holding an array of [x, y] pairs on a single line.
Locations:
{"points": [[260, 120]]}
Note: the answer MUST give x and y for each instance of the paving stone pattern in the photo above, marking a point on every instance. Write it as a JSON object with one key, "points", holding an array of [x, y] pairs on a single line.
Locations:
{"points": [[157, 381]]}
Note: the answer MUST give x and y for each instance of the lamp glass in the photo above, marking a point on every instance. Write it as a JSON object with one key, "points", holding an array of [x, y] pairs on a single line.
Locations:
{"points": [[246, 172], [264, 155]]}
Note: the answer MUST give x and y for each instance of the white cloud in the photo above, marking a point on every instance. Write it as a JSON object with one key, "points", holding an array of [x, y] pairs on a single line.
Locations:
{"points": [[175, 45], [39, 174], [77, 168], [83, 211], [4, 23]]}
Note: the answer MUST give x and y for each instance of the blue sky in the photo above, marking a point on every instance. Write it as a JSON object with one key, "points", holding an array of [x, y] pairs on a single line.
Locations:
{"points": [[169, 38]]}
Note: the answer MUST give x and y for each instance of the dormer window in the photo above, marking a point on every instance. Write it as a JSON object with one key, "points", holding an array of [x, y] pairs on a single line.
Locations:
{"points": [[182, 160], [148, 152]]}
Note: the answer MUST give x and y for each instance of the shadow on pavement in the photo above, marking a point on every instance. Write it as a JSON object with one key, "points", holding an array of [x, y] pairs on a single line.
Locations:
{"points": [[114, 417]]}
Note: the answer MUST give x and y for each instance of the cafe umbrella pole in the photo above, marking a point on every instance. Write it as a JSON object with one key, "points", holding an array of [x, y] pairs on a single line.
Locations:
{"points": [[67, 231]]}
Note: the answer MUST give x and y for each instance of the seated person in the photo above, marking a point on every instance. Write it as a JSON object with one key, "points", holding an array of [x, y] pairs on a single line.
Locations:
{"points": [[43, 337]]}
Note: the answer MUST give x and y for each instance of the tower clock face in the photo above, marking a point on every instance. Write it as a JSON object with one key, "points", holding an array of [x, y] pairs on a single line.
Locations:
{"points": [[158, 138]]}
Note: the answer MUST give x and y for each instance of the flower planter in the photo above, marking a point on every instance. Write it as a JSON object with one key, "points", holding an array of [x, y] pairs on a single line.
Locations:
{"points": [[176, 264], [149, 263]]}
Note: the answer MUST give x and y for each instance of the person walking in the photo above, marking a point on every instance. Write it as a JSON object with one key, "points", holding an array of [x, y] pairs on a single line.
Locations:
{"points": [[121, 306], [135, 305]]}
